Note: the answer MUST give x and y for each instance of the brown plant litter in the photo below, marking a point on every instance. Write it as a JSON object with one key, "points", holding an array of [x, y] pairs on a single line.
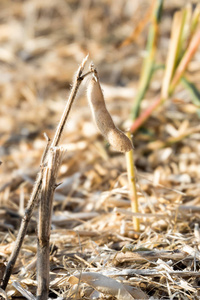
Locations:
{"points": [[94, 252]]}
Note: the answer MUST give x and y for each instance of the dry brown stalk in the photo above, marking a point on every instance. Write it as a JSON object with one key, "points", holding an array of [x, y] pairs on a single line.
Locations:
{"points": [[79, 78], [37, 186], [150, 272], [143, 256], [22, 229], [45, 211]]}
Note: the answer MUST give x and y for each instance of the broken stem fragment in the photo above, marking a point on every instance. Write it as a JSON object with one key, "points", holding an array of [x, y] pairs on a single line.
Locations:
{"points": [[44, 222]]}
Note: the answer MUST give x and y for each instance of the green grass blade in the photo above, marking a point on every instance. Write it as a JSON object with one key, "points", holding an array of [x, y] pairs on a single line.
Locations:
{"points": [[176, 33], [194, 92], [148, 65]]}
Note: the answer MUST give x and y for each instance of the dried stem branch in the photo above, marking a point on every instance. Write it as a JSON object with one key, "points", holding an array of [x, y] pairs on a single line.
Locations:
{"points": [[79, 78], [37, 186], [22, 230], [44, 224]]}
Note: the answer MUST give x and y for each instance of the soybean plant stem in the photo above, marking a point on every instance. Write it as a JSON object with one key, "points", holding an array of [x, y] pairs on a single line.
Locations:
{"points": [[44, 222], [75, 87], [37, 186]]}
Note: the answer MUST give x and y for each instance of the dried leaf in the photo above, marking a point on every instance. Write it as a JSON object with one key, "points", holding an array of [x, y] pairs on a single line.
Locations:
{"points": [[110, 286]]}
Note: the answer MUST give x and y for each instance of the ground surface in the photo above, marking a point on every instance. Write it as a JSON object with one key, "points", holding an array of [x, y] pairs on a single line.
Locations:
{"points": [[42, 44]]}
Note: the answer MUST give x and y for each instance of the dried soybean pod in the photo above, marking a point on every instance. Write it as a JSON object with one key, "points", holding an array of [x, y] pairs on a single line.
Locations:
{"points": [[117, 139]]}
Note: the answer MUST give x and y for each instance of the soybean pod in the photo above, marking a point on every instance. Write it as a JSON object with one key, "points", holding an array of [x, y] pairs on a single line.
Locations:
{"points": [[116, 138]]}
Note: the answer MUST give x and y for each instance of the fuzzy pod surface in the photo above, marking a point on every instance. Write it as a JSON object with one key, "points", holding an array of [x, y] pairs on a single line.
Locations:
{"points": [[116, 138]]}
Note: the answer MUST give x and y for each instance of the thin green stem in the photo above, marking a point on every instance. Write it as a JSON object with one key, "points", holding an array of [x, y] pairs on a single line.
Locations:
{"points": [[148, 65], [132, 185]]}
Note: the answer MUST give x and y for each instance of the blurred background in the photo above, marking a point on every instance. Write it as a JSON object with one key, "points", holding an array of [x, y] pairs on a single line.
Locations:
{"points": [[42, 43]]}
